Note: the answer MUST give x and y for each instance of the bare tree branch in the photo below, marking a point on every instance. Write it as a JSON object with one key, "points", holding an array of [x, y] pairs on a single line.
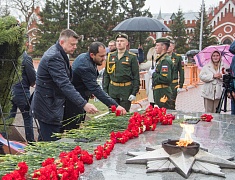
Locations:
{"points": [[26, 7]]}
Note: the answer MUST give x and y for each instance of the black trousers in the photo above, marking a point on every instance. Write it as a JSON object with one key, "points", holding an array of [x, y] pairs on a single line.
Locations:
{"points": [[47, 130]]}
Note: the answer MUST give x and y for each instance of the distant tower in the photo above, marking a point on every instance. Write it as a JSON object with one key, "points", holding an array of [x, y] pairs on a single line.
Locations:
{"points": [[159, 17]]}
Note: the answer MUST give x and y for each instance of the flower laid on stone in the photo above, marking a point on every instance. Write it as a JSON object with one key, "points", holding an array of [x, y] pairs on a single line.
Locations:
{"points": [[104, 151], [18, 174], [114, 110], [69, 165], [206, 117], [138, 123]]}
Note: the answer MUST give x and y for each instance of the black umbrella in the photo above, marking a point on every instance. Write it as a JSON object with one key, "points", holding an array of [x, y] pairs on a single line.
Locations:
{"points": [[134, 51], [190, 55], [141, 24], [192, 52]]}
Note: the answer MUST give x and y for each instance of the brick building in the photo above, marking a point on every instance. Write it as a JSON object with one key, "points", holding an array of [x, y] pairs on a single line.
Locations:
{"points": [[32, 28], [221, 18]]}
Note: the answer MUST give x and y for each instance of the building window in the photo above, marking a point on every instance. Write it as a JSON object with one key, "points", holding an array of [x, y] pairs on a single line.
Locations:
{"points": [[227, 41]]}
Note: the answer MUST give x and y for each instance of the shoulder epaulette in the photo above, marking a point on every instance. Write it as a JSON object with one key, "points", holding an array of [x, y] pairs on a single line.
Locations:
{"points": [[132, 53], [178, 55]]}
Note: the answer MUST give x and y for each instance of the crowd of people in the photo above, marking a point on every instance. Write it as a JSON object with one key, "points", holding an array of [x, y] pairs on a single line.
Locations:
{"points": [[62, 91]]}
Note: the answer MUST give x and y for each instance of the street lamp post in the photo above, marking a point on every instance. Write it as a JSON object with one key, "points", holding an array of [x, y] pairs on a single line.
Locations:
{"points": [[68, 13], [201, 28]]}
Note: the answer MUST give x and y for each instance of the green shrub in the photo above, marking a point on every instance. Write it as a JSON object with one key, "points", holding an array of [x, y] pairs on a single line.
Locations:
{"points": [[12, 37]]}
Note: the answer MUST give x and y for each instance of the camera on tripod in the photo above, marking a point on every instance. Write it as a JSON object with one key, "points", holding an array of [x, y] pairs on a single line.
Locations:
{"points": [[228, 88], [228, 81]]}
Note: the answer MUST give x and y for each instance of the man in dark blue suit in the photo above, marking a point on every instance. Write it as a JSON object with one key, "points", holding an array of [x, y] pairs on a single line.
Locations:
{"points": [[53, 87], [84, 79]]}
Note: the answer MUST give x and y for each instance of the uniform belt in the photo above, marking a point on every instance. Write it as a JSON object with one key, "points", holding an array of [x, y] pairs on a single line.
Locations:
{"points": [[159, 86], [175, 81], [120, 84]]}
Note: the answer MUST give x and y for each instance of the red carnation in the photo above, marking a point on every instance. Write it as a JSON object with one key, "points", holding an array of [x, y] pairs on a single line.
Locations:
{"points": [[113, 108], [118, 112]]}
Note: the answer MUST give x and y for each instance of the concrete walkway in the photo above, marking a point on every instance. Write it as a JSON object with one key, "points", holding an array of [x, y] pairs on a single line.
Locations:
{"points": [[191, 101], [188, 100]]}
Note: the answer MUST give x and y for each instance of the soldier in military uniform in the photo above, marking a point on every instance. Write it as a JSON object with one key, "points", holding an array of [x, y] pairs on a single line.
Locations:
{"points": [[162, 75], [121, 75], [178, 73]]}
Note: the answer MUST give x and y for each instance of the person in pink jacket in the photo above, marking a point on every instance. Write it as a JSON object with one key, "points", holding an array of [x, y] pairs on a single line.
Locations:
{"points": [[211, 75]]}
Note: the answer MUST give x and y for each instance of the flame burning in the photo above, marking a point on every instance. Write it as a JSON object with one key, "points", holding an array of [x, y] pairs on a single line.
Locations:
{"points": [[189, 129]]}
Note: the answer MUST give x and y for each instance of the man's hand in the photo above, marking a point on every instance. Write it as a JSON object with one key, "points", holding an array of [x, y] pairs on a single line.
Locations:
{"points": [[131, 98], [90, 108], [123, 111]]}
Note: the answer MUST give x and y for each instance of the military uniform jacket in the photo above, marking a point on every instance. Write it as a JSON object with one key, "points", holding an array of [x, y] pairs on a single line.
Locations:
{"points": [[178, 68], [164, 71], [126, 69]]}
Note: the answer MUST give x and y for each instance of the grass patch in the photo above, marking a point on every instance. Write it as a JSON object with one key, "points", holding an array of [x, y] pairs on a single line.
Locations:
{"points": [[100, 106]]}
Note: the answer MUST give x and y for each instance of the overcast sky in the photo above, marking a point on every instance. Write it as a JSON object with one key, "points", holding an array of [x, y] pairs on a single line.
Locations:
{"points": [[169, 6]]}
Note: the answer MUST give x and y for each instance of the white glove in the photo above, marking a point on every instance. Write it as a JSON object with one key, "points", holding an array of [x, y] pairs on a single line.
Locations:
{"points": [[151, 71], [131, 98], [178, 90]]}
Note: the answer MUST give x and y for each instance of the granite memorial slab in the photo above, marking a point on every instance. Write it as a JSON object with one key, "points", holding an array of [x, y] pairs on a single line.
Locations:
{"points": [[217, 137]]}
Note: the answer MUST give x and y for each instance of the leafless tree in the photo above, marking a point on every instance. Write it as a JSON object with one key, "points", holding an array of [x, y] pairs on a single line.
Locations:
{"points": [[26, 7], [4, 9]]}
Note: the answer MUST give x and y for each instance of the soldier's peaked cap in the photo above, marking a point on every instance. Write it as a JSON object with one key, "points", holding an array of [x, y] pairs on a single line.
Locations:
{"points": [[122, 35], [163, 40]]}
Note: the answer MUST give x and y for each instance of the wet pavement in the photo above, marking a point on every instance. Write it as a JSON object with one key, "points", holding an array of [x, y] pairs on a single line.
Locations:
{"points": [[188, 100], [216, 136]]}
